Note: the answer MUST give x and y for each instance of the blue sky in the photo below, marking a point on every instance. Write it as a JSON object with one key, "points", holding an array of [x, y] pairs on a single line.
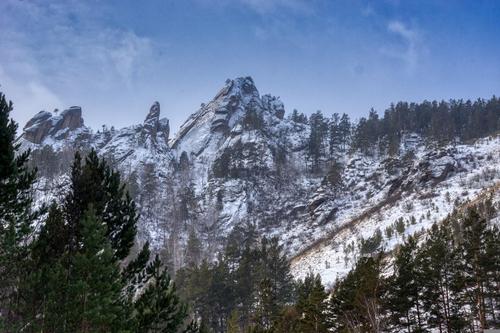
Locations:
{"points": [[114, 58]]}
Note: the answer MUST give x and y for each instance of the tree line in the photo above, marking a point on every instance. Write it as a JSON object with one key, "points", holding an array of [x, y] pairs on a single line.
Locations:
{"points": [[437, 122]]}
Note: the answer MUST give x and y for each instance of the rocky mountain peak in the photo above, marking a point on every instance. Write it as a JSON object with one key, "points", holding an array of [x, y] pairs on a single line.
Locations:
{"points": [[155, 128], [241, 86], [154, 114], [58, 126]]}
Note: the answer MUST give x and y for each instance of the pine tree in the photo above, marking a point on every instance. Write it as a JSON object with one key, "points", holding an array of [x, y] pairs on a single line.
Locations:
{"points": [[335, 135], [274, 281], [475, 262], [440, 263], [345, 131], [405, 287], [96, 183], [95, 285], [159, 308], [492, 285], [317, 139], [233, 323], [356, 301], [289, 321], [16, 217], [45, 284], [311, 305]]}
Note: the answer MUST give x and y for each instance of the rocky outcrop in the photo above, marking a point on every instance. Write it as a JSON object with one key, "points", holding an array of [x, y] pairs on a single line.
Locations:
{"points": [[154, 128], [45, 124]]}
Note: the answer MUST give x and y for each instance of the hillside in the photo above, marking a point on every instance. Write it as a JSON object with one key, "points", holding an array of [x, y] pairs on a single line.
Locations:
{"points": [[322, 186]]}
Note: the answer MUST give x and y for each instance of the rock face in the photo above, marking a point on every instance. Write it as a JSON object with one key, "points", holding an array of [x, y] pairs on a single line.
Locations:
{"points": [[213, 121], [155, 128], [45, 124]]}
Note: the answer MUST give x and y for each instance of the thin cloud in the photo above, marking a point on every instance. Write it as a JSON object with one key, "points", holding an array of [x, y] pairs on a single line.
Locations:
{"points": [[412, 45], [60, 46], [30, 95], [269, 6]]}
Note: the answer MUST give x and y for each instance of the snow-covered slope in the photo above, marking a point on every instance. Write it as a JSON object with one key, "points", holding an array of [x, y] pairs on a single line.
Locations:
{"points": [[239, 160], [430, 187]]}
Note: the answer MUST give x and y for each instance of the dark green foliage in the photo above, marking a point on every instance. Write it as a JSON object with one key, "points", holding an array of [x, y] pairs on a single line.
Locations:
{"points": [[251, 279], [450, 281], [339, 130], [476, 266], [440, 273], [355, 303], [317, 140], [298, 117], [442, 122], [405, 288], [159, 309], [93, 299], [311, 305], [16, 218], [372, 244], [231, 163], [367, 132], [252, 120], [70, 276], [94, 182]]}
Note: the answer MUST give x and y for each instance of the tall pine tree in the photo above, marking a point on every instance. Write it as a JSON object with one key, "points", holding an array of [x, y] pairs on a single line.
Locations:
{"points": [[16, 217]]}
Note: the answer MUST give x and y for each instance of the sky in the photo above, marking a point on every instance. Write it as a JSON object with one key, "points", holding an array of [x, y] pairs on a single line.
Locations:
{"points": [[114, 58]]}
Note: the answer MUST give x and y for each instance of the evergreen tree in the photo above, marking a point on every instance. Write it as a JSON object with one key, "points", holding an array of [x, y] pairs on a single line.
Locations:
{"points": [[94, 182], [46, 282], [311, 305], [440, 262], [404, 299], [344, 131], [317, 139], [159, 309], [94, 290], [476, 263], [233, 324], [16, 217], [356, 301], [335, 135], [298, 117]]}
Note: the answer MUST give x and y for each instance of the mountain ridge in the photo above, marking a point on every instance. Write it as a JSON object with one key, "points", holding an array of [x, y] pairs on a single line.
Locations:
{"points": [[238, 160]]}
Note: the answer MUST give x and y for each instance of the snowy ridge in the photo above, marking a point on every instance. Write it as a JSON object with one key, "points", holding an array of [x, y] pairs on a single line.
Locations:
{"points": [[239, 160]]}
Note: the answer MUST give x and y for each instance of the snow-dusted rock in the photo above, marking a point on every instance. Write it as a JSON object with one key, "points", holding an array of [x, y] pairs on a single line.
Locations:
{"points": [[45, 124]]}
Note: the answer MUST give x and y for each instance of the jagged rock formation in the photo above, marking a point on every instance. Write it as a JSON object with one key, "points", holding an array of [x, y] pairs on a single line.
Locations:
{"points": [[155, 129], [45, 124], [239, 160]]}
